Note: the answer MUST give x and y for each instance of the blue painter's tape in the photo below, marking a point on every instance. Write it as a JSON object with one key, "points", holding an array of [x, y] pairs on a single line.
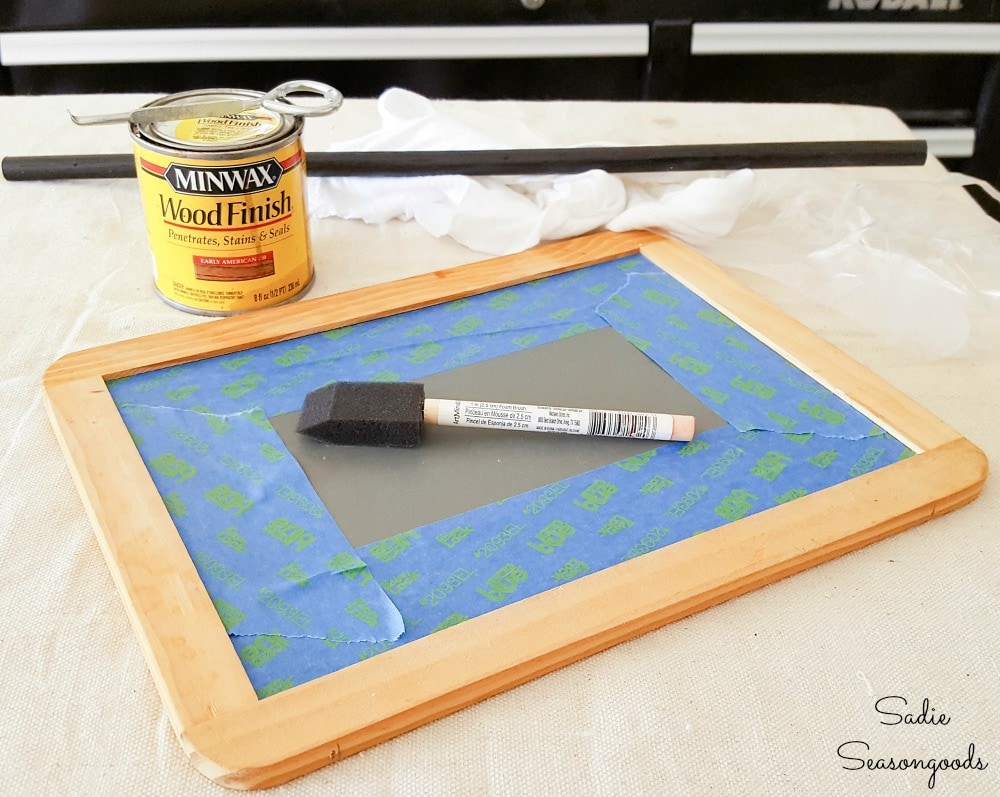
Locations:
{"points": [[300, 602]]}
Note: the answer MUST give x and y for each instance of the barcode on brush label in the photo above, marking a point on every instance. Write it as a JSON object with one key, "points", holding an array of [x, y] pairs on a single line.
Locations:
{"points": [[606, 423]]}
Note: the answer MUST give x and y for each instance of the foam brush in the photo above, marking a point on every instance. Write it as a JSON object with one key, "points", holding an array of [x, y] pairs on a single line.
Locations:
{"points": [[394, 414]]}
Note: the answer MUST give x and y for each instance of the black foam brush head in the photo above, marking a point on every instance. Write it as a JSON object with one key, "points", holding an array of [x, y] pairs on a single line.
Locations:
{"points": [[365, 414]]}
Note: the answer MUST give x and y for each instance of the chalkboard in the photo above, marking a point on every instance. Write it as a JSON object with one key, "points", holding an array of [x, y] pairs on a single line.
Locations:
{"points": [[256, 612]]}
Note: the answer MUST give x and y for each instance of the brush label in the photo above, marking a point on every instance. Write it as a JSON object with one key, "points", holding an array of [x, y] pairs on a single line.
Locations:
{"points": [[565, 420]]}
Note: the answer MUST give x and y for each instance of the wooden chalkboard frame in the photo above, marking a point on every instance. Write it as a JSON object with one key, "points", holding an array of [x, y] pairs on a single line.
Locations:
{"points": [[241, 741]]}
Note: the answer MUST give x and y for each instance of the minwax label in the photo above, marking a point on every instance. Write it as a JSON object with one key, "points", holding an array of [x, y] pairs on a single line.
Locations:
{"points": [[227, 235]]}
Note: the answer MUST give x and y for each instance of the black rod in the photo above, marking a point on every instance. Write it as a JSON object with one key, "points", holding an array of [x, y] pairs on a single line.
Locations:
{"points": [[683, 157]]}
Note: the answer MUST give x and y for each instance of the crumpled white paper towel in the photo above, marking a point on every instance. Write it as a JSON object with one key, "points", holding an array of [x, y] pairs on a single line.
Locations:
{"points": [[506, 214]]}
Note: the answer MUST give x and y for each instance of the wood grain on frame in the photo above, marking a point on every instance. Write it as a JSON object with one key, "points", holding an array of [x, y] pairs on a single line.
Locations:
{"points": [[242, 742]]}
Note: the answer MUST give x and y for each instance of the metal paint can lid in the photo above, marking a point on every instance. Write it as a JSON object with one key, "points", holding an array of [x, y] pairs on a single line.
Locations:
{"points": [[247, 129]]}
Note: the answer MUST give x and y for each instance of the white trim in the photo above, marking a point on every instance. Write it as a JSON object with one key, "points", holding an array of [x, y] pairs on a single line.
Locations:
{"points": [[948, 142], [37, 48], [34, 48], [757, 38]]}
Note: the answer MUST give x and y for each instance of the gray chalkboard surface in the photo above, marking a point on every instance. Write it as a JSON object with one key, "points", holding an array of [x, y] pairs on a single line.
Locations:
{"points": [[374, 493]]}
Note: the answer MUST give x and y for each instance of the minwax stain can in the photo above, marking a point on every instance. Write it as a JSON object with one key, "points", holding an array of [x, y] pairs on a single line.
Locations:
{"points": [[224, 199]]}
